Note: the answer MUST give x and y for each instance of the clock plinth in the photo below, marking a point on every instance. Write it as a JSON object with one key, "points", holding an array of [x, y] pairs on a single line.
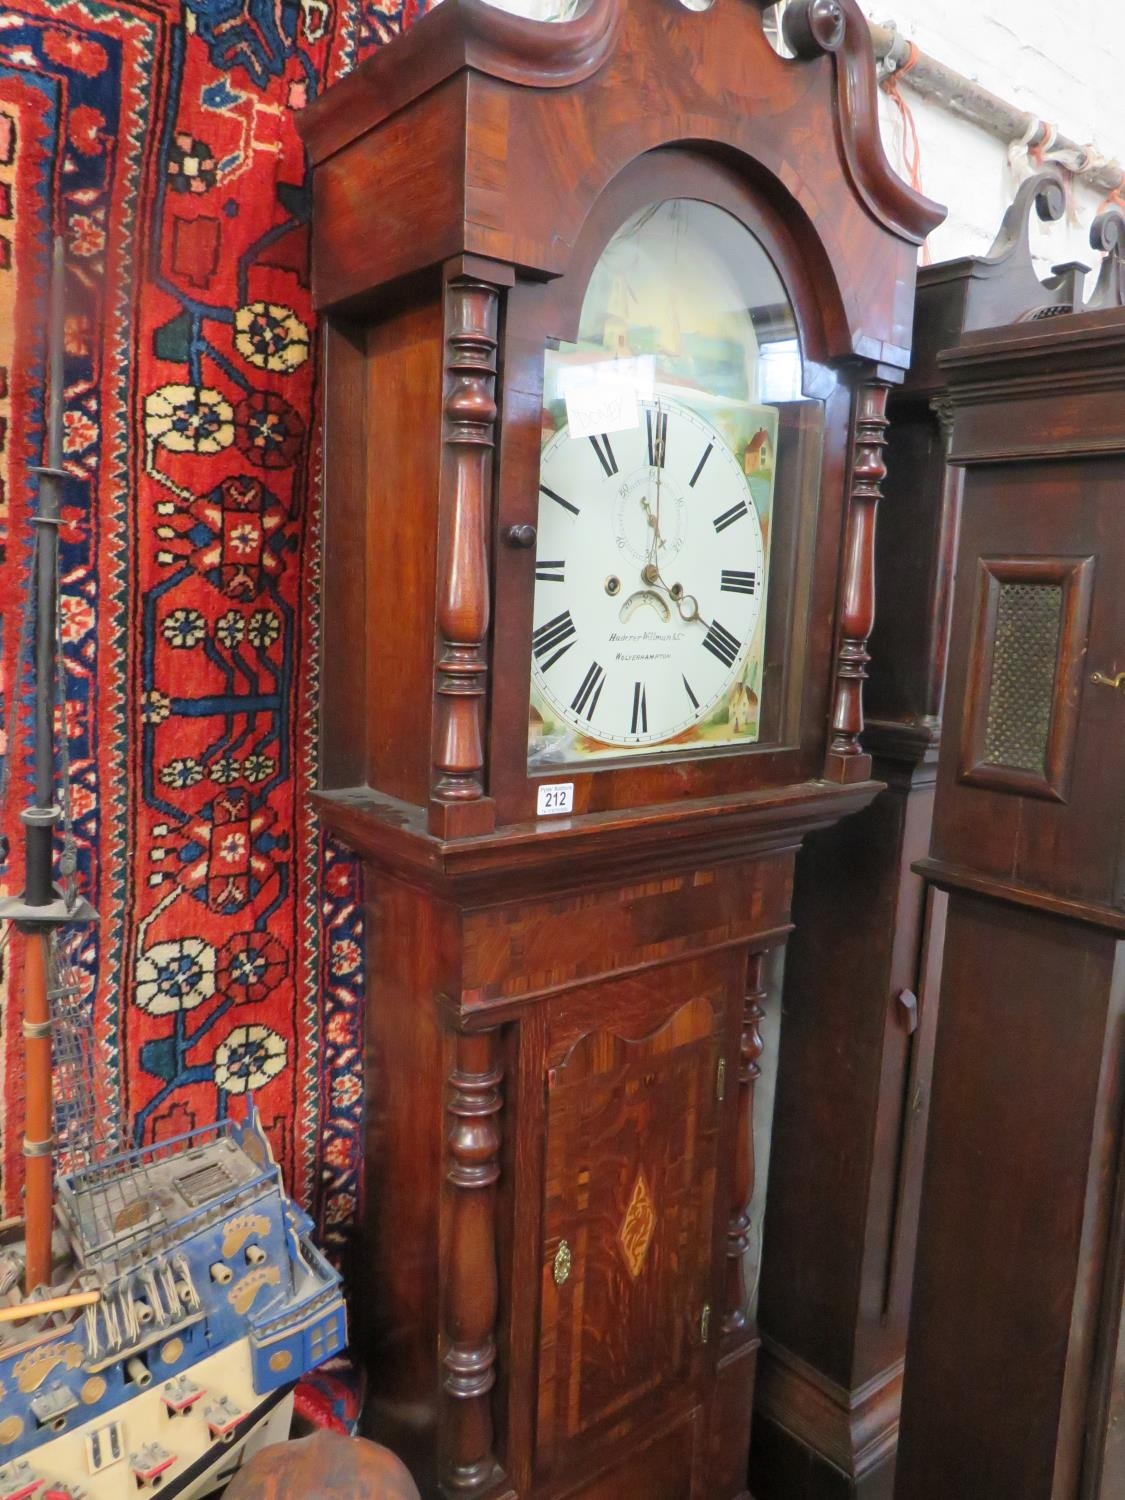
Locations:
{"points": [[653, 619]]}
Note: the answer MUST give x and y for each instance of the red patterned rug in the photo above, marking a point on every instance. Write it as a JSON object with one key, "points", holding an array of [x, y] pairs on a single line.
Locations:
{"points": [[159, 140]]}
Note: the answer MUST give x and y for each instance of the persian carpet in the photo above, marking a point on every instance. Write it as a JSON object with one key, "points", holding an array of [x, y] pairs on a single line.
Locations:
{"points": [[158, 139]]}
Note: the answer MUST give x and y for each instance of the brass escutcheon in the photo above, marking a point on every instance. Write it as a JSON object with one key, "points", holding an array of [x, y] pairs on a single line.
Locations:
{"points": [[563, 1262]]}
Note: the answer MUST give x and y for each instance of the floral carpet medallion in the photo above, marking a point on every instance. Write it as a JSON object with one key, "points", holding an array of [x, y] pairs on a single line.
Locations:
{"points": [[159, 140]]}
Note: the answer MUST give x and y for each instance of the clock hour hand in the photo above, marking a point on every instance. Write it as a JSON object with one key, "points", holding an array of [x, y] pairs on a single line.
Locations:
{"points": [[687, 604]]}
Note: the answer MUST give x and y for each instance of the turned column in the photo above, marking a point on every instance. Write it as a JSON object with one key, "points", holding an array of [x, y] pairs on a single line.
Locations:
{"points": [[458, 805], [736, 1293], [469, 1281], [846, 760]]}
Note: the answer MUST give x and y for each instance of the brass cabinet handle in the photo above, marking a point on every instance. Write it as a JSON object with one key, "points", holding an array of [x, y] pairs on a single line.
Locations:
{"points": [[1101, 680]]}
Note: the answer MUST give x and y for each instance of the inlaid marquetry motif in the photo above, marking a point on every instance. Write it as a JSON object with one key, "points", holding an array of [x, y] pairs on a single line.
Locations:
{"points": [[637, 1227]]}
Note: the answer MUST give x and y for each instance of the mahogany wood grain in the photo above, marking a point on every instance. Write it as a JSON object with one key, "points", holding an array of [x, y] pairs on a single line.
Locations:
{"points": [[1013, 1368], [834, 1193], [343, 709], [840, 1248], [799, 639], [846, 759], [736, 1301], [403, 394], [1074, 578], [393, 1266], [1070, 848], [562, 853], [630, 1184], [469, 1303], [500, 187], [669, 75], [463, 603], [1003, 1264], [560, 1037], [919, 518], [841, 1221]]}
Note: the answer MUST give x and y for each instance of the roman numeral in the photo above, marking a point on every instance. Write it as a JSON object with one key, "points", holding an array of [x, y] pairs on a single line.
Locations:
{"points": [[605, 455], [721, 643], [691, 695], [699, 466], [657, 437], [554, 639], [729, 517], [552, 572], [586, 698], [558, 499], [738, 583], [640, 710]]}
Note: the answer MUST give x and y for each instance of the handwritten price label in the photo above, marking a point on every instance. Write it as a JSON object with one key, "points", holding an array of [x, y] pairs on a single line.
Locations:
{"points": [[591, 410], [605, 396]]}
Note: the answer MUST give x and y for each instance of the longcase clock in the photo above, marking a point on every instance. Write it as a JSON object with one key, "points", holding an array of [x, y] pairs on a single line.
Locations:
{"points": [[613, 308]]}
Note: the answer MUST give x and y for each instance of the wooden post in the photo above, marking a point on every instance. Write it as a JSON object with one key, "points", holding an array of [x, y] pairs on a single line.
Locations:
{"points": [[846, 760], [470, 1291], [457, 804], [736, 1297]]}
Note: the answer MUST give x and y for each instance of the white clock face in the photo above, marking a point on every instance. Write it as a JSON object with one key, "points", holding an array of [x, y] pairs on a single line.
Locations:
{"points": [[650, 577]]}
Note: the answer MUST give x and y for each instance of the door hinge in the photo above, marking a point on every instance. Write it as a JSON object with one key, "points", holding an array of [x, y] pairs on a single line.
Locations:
{"points": [[705, 1323], [721, 1080]]}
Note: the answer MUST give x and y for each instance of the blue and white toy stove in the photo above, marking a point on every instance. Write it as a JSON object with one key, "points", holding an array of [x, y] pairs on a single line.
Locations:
{"points": [[187, 1299]]}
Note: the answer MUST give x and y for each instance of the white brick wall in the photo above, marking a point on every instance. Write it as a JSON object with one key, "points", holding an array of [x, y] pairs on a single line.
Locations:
{"points": [[1064, 62]]}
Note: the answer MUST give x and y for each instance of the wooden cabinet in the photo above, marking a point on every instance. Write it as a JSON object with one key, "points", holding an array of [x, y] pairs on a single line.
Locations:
{"points": [[593, 668], [860, 1007], [631, 1225], [1014, 1383]]}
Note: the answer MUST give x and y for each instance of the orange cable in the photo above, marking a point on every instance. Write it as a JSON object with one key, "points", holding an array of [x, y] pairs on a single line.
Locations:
{"points": [[911, 145]]}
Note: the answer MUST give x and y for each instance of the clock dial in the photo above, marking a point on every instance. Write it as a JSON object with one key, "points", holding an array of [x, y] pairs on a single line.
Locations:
{"points": [[650, 577]]}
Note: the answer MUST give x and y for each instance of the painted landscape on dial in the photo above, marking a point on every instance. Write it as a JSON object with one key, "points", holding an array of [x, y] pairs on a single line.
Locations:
{"points": [[653, 546]]}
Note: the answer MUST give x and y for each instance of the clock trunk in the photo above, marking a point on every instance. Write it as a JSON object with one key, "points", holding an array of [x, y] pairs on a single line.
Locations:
{"points": [[553, 1278]]}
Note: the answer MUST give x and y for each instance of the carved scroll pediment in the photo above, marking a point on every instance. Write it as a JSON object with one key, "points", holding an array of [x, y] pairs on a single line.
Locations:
{"points": [[1107, 234], [539, 119]]}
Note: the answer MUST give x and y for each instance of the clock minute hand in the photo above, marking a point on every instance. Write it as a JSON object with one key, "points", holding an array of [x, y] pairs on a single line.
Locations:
{"points": [[656, 460]]}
